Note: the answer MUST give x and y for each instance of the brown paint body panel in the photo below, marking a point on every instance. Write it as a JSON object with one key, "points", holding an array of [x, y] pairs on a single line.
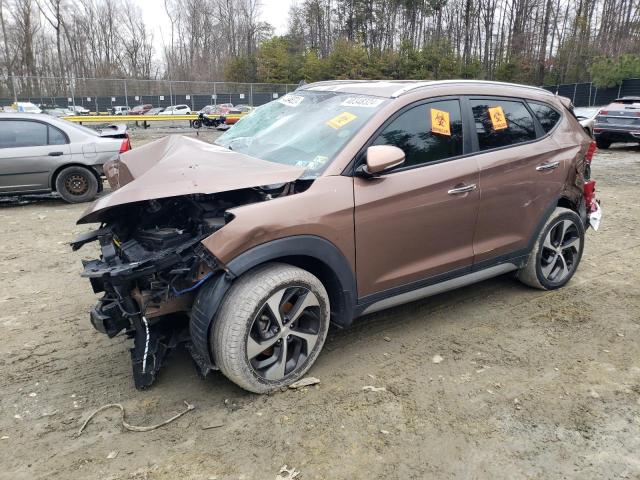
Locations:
{"points": [[514, 196], [408, 227], [324, 210]]}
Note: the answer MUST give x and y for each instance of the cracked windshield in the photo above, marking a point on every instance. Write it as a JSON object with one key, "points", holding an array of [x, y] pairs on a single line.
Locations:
{"points": [[305, 128]]}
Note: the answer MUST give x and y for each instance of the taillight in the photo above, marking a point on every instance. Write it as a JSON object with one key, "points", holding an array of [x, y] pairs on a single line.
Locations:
{"points": [[590, 195], [588, 157], [603, 112], [125, 146]]}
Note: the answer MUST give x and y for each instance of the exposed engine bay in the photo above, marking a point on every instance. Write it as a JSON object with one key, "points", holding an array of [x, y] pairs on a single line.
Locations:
{"points": [[152, 263]]}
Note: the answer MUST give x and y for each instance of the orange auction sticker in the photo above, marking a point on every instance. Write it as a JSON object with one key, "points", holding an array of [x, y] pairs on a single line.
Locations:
{"points": [[440, 122], [498, 120], [341, 120]]}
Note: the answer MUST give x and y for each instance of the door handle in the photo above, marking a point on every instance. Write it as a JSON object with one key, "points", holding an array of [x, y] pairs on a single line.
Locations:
{"points": [[547, 166], [56, 154], [463, 189]]}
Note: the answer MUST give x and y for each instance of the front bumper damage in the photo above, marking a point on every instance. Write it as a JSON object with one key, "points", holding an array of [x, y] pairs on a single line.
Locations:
{"points": [[147, 294]]}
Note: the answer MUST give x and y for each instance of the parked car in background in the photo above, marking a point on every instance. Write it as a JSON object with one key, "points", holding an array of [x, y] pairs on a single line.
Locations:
{"points": [[154, 111], [25, 107], [618, 122], [209, 110], [223, 108], [57, 112], [387, 192], [176, 110], [120, 110], [40, 153], [241, 109], [587, 117], [236, 113], [78, 110], [140, 109]]}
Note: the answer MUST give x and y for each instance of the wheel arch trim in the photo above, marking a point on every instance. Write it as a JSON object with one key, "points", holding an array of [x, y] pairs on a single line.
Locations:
{"points": [[290, 250], [54, 175]]}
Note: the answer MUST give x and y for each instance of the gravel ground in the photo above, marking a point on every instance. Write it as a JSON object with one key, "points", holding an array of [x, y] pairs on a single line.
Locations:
{"points": [[530, 384]]}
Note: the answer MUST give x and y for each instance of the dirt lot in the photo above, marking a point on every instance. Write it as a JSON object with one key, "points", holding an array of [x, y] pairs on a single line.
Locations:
{"points": [[531, 385]]}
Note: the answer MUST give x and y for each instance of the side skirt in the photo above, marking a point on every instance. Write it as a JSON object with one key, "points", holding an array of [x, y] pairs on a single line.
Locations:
{"points": [[440, 287]]}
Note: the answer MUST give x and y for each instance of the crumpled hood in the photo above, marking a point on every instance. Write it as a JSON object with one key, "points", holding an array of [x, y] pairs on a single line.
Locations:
{"points": [[177, 165]]}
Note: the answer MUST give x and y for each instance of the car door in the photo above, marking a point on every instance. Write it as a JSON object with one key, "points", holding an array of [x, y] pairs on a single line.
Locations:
{"points": [[521, 175], [29, 152], [417, 221]]}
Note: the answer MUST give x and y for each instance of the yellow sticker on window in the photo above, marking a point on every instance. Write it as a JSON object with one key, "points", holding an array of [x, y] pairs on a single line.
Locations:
{"points": [[440, 122], [341, 120], [498, 120]]}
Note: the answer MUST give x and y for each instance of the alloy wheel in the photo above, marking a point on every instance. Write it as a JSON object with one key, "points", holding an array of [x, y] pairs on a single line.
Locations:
{"points": [[560, 251], [284, 333]]}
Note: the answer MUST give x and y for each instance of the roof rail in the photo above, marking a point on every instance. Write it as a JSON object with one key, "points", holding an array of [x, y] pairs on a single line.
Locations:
{"points": [[409, 88]]}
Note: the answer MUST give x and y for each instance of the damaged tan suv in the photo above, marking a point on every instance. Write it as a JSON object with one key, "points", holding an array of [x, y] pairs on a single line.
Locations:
{"points": [[337, 200]]}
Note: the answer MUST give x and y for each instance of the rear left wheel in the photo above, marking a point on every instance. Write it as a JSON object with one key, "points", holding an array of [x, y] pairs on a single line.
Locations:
{"points": [[557, 252], [270, 327], [77, 184]]}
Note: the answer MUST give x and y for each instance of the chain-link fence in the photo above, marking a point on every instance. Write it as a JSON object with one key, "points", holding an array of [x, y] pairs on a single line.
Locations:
{"points": [[588, 95], [100, 95]]}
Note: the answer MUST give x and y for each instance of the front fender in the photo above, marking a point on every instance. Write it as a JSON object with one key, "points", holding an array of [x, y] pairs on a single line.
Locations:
{"points": [[332, 266]]}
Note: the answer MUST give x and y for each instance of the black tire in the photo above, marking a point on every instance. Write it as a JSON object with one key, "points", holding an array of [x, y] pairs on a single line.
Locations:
{"points": [[245, 324], [602, 143], [197, 124], [556, 253], [77, 184]]}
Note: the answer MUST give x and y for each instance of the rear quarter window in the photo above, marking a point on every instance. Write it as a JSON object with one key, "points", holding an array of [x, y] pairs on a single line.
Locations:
{"points": [[501, 123], [547, 116]]}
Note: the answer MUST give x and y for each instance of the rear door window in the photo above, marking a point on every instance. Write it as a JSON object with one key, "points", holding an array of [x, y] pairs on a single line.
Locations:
{"points": [[501, 123], [547, 116], [422, 140]]}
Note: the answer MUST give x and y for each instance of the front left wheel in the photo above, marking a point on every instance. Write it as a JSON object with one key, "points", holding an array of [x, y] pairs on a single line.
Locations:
{"points": [[270, 327]]}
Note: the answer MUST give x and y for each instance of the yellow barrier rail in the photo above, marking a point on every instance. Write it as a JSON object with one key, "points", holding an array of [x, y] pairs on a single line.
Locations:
{"points": [[142, 118]]}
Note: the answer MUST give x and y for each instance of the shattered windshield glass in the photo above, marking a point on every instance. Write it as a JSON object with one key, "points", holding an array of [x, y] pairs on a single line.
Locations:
{"points": [[304, 128]]}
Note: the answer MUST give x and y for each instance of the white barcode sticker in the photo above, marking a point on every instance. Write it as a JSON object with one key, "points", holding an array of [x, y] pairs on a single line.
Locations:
{"points": [[366, 102], [291, 100]]}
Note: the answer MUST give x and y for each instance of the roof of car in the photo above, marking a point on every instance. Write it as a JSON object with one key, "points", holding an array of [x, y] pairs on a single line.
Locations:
{"points": [[26, 116], [397, 88]]}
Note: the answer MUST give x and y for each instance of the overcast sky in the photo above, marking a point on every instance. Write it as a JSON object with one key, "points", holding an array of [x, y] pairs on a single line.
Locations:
{"points": [[273, 11]]}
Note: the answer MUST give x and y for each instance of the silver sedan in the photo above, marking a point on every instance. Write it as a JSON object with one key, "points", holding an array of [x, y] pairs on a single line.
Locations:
{"points": [[40, 153]]}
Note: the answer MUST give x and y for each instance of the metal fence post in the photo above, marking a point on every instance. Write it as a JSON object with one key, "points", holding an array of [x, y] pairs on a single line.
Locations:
{"points": [[575, 88], [251, 94], [126, 96], [13, 87], [619, 89]]}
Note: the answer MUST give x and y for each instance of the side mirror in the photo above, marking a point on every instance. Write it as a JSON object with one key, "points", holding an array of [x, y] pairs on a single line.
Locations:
{"points": [[381, 158]]}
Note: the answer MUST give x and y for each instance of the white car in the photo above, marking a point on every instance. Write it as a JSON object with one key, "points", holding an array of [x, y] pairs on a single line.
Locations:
{"points": [[78, 110], [26, 107], [120, 110], [176, 110], [587, 117]]}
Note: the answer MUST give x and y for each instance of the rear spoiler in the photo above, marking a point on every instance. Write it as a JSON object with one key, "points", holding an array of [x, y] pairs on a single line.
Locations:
{"points": [[116, 130], [566, 102]]}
